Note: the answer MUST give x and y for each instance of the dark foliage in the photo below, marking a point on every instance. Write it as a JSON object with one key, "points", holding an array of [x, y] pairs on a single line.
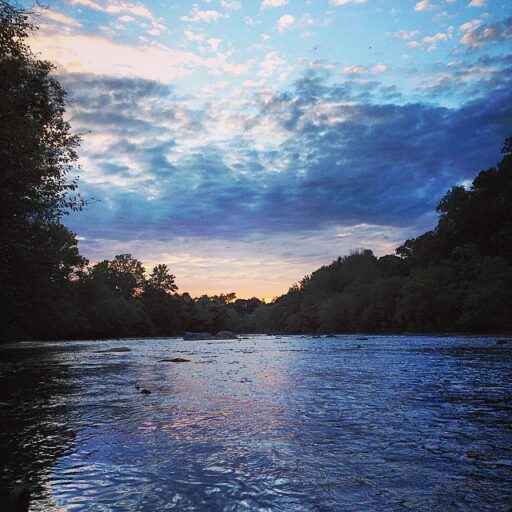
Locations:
{"points": [[38, 254], [457, 277]]}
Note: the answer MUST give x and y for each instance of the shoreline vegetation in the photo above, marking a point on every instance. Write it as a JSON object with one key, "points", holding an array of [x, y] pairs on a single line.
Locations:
{"points": [[454, 278]]}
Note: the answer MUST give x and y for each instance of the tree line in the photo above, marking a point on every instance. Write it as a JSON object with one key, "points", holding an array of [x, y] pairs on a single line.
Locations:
{"points": [[456, 277]]}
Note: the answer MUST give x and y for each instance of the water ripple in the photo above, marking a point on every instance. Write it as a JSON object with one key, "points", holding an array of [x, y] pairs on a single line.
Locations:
{"points": [[260, 424]]}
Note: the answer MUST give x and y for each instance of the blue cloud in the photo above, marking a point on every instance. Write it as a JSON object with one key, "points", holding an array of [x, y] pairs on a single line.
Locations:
{"points": [[351, 156]]}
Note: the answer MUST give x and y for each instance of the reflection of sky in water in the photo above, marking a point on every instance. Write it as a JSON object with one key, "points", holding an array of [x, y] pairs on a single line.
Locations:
{"points": [[202, 437], [289, 423]]}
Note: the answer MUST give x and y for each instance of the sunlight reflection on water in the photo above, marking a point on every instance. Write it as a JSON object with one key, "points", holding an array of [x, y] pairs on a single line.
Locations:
{"points": [[264, 424]]}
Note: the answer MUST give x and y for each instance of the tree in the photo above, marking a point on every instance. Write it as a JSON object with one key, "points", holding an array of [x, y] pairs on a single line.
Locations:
{"points": [[37, 153], [506, 149], [161, 279], [127, 275], [166, 311], [124, 275], [36, 145]]}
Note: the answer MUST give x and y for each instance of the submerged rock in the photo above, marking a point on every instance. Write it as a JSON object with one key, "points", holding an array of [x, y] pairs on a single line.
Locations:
{"points": [[221, 335], [145, 392], [18, 499], [116, 349], [175, 360]]}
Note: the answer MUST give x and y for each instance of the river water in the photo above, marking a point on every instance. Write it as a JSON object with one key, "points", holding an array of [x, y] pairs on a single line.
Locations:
{"points": [[291, 423]]}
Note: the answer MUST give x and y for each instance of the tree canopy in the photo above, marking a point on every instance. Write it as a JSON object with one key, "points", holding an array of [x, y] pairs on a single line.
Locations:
{"points": [[456, 277], [37, 155]]}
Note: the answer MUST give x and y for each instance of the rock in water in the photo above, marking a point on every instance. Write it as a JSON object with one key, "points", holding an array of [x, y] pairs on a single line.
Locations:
{"points": [[145, 392], [19, 499], [226, 335], [118, 349], [175, 360], [222, 335], [197, 336]]}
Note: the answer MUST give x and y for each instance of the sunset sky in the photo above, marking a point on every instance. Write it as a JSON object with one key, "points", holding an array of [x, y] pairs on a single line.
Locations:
{"points": [[246, 143]]}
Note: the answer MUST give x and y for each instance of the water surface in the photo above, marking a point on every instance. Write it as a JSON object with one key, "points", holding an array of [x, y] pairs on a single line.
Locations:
{"points": [[264, 423]]}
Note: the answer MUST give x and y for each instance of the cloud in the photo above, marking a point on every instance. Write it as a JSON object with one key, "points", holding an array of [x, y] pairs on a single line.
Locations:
{"points": [[477, 3], [362, 70], [116, 7], [424, 5], [154, 28], [470, 79], [59, 17], [285, 22], [345, 2], [470, 25], [406, 34], [379, 68], [273, 3], [95, 54], [430, 43], [436, 38], [191, 36], [202, 16], [270, 64], [214, 43], [356, 70], [477, 33], [233, 5], [319, 156]]}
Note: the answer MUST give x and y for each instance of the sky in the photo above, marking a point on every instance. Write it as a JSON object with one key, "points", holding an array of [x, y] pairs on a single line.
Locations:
{"points": [[247, 143]]}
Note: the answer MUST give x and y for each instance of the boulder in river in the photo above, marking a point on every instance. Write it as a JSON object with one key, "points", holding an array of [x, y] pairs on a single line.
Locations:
{"points": [[145, 392]]}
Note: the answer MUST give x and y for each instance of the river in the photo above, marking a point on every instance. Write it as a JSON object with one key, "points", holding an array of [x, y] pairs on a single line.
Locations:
{"points": [[264, 423]]}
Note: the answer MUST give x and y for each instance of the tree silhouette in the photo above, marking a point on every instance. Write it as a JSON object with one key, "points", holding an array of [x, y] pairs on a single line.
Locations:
{"points": [[37, 154], [161, 279]]}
